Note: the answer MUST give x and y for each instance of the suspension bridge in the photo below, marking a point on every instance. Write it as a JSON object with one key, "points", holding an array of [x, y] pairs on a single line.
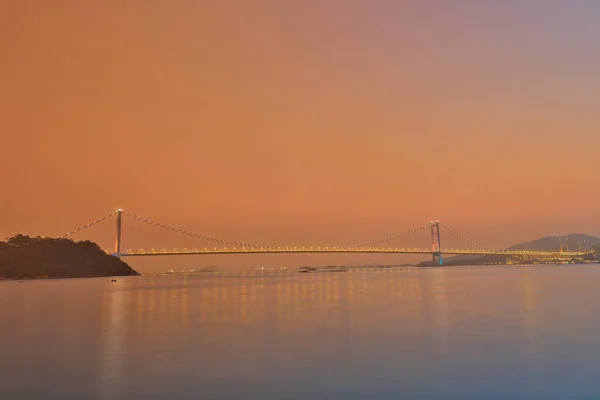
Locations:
{"points": [[376, 246]]}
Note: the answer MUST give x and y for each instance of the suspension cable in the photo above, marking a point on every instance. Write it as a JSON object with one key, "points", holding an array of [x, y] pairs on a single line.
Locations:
{"points": [[188, 233], [245, 244], [466, 241], [463, 238], [387, 239], [107, 216]]}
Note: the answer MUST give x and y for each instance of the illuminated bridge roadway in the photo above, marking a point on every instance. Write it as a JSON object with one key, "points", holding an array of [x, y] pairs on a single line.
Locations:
{"points": [[378, 250], [371, 247]]}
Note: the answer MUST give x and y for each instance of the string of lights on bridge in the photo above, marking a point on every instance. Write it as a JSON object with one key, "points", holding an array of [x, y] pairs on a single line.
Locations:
{"points": [[240, 247]]}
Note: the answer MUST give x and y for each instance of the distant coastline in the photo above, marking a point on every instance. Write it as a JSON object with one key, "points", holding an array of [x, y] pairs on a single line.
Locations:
{"points": [[574, 242], [23, 257]]}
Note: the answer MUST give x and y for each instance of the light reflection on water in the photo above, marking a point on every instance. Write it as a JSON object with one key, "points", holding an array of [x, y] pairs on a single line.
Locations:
{"points": [[399, 333]]}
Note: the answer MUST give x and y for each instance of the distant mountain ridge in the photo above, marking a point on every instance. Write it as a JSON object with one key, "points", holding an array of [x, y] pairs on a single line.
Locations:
{"points": [[552, 243], [573, 242]]}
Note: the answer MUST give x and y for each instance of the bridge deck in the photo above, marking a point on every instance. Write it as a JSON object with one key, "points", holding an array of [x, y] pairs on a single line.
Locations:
{"points": [[367, 247], [348, 251]]}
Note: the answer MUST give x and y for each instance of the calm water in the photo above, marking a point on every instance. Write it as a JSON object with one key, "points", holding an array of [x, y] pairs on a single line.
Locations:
{"points": [[467, 333]]}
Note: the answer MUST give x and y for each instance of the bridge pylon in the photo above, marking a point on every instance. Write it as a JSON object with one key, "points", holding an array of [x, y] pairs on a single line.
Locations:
{"points": [[117, 254], [436, 246], [564, 247]]}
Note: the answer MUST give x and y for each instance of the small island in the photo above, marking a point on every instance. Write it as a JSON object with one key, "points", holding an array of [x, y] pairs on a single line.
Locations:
{"points": [[24, 257]]}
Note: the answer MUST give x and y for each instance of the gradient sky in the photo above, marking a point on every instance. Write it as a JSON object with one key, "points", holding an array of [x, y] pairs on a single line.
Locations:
{"points": [[302, 121]]}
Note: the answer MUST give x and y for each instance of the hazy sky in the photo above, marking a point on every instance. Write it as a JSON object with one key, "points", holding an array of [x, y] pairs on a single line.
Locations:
{"points": [[302, 121]]}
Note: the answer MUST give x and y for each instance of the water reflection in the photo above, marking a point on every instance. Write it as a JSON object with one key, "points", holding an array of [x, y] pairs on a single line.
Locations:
{"points": [[113, 324], [429, 333]]}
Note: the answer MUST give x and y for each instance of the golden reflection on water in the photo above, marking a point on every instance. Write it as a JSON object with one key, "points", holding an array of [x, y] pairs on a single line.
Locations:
{"points": [[531, 320], [440, 317], [114, 335], [141, 308], [293, 302]]}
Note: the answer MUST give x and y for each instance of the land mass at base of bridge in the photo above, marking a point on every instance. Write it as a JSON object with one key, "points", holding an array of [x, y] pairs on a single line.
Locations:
{"points": [[24, 257], [573, 242], [508, 260]]}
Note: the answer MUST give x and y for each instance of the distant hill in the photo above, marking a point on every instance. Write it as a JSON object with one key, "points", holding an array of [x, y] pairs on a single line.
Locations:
{"points": [[24, 257], [552, 243], [548, 243]]}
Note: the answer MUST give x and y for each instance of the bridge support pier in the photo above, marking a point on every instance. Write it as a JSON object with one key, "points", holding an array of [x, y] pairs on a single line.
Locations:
{"points": [[118, 237], [436, 246]]}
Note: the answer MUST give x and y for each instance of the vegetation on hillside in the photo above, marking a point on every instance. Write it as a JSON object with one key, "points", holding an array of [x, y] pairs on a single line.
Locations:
{"points": [[24, 257]]}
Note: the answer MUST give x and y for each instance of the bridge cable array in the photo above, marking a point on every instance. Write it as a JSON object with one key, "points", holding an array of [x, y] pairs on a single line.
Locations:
{"points": [[365, 246], [81, 228], [387, 239], [463, 239], [188, 233], [260, 246], [479, 247]]}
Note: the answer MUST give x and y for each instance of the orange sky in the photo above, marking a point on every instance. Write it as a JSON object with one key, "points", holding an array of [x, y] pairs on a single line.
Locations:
{"points": [[308, 121]]}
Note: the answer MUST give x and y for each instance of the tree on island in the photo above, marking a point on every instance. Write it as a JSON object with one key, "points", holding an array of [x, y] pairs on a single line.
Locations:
{"points": [[22, 256]]}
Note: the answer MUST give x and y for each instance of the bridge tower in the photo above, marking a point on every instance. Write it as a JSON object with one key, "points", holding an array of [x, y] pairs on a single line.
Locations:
{"points": [[436, 246], [118, 237], [564, 247]]}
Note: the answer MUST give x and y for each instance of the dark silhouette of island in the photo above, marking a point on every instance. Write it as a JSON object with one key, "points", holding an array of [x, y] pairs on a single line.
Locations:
{"points": [[24, 257]]}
